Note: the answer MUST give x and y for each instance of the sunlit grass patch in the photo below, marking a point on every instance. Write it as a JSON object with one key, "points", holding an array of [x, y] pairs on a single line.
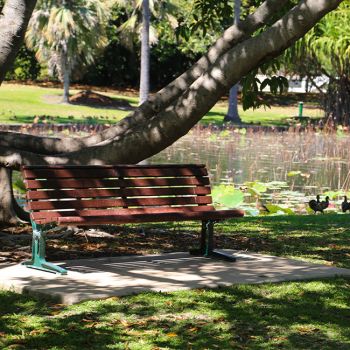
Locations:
{"points": [[22, 103]]}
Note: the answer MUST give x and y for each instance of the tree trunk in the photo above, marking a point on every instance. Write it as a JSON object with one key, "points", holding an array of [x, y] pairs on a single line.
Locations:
{"points": [[155, 126], [7, 211], [66, 82], [14, 19], [145, 53], [232, 115], [337, 101]]}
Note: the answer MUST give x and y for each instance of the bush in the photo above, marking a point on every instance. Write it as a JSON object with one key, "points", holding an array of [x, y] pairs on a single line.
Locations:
{"points": [[26, 67]]}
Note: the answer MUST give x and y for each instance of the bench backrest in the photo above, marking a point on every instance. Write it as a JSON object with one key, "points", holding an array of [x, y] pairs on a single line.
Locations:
{"points": [[72, 190]]}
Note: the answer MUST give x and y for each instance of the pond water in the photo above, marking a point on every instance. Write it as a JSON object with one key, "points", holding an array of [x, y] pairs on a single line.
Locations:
{"points": [[293, 165], [296, 165]]}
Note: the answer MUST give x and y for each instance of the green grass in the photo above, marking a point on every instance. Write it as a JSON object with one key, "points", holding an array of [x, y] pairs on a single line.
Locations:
{"points": [[293, 315], [320, 238], [22, 103], [308, 315]]}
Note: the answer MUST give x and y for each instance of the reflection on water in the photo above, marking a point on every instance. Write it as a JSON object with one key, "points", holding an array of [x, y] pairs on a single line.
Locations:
{"points": [[322, 160]]}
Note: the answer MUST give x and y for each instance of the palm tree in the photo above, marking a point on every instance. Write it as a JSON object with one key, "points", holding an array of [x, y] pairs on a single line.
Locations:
{"points": [[67, 33], [139, 23], [232, 113]]}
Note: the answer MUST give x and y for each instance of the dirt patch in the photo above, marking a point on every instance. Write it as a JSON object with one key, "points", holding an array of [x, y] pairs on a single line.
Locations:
{"points": [[94, 99], [76, 243]]}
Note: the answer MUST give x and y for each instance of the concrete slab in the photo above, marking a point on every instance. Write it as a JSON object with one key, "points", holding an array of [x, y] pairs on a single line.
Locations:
{"points": [[106, 277]]}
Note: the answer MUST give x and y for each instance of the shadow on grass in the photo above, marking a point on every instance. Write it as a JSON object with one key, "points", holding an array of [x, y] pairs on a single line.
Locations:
{"points": [[29, 119], [318, 238], [309, 315]]}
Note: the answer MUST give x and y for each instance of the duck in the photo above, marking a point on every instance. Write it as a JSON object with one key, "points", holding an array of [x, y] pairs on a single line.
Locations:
{"points": [[315, 205], [324, 204], [345, 205]]}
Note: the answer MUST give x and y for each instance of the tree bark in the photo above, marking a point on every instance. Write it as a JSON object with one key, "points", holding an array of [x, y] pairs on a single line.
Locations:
{"points": [[139, 140], [145, 53], [7, 211], [66, 83], [14, 20], [232, 115]]}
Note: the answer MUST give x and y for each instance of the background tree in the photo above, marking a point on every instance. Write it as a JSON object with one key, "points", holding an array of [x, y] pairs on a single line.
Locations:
{"points": [[174, 110], [139, 24], [325, 50], [67, 33], [232, 113]]}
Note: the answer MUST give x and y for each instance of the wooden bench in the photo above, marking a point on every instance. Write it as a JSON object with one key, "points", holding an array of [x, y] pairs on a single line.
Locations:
{"points": [[71, 195]]}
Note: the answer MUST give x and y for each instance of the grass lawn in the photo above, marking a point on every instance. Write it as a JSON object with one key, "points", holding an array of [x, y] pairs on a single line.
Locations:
{"points": [[294, 315], [21, 103], [308, 315]]}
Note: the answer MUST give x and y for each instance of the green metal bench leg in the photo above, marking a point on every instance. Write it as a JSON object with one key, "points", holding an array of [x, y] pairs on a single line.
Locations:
{"points": [[209, 251], [207, 243], [202, 242], [38, 260]]}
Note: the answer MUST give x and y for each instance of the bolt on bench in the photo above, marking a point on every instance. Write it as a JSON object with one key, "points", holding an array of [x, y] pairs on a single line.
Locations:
{"points": [[69, 195]]}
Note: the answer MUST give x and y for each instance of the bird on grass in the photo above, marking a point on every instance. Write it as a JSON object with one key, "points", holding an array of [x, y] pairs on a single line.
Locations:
{"points": [[325, 204], [345, 205], [317, 205]]}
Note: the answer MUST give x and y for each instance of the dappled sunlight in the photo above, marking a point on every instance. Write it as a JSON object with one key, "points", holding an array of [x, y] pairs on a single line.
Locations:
{"points": [[288, 315]]}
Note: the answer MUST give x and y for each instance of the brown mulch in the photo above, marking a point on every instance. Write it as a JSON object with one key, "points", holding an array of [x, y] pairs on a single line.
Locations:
{"points": [[94, 99], [77, 243]]}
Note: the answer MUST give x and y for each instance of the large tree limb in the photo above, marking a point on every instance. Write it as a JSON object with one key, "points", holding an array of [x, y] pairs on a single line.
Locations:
{"points": [[14, 20], [156, 103], [148, 138]]}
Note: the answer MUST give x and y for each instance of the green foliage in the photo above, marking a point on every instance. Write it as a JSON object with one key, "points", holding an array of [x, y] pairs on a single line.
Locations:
{"points": [[17, 183], [294, 173], [65, 33], [256, 188], [227, 196], [325, 50], [25, 67], [210, 15], [252, 87], [277, 209]]}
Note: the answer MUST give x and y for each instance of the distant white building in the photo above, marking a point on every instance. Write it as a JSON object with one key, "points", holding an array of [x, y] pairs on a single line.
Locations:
{"points": [[303, 85]]}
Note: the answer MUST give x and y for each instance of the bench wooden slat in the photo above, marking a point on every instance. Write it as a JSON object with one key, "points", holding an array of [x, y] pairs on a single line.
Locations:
{"points": [[128, 202], [142, 217], [53, 215], [112, 172], [98, 183], [90, 217], [119, 192], [127, 166]]}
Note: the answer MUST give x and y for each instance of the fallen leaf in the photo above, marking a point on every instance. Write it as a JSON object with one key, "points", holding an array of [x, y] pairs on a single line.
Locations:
{"points": [[172, 334], [193, 329]]}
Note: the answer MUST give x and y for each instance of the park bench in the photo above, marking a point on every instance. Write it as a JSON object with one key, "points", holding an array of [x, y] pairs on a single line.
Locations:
{"points": [[69, 195]]}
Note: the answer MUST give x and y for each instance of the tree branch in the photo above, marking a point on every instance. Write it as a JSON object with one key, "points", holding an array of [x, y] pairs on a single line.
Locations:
{"points": [[14, 20], [232, 36]]}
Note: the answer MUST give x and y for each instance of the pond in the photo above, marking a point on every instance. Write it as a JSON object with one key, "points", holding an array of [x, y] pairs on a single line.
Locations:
{"points": [[267, 167], [294, 165]]}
